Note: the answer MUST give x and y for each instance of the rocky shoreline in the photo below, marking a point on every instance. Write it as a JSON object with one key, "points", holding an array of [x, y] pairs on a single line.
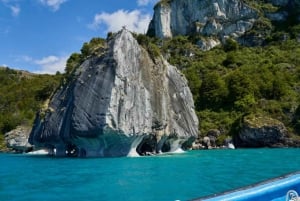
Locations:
{"points": [[255, 132]]}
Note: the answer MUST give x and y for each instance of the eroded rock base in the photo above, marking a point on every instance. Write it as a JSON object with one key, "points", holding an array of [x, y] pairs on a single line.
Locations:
{"points": [[118, 146]]}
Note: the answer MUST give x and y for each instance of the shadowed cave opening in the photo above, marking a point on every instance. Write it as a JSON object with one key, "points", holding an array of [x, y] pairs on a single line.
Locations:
{"points": [[149, 146], [166, 147], [72, 150]]}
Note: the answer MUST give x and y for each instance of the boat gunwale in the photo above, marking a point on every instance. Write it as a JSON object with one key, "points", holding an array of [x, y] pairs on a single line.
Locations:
{"points": [[250, 188]]}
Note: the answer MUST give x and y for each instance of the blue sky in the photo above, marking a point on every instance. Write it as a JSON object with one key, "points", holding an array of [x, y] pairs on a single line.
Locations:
{"points": [[39, 35]]}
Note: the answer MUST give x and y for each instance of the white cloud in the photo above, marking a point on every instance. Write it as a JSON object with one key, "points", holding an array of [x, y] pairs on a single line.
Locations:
{"points": [[47, 60], [53, 4], [51, 64], [15, 10], [133, 20], [46, 65], [145, 2]]}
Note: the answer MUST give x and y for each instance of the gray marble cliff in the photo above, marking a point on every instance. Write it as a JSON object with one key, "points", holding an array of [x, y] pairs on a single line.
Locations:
{"points": [[217, 19], [213, 20], [122, 102]]}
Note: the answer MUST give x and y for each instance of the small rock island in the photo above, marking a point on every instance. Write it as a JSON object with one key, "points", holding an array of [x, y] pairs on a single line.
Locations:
{"points": [[121, 102]]}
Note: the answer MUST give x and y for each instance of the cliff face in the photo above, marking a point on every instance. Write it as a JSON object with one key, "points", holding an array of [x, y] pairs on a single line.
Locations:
{"points": [[218, 18], [121, 103]]}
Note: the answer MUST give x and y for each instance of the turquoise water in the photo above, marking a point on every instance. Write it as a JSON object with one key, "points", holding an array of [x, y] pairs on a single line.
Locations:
{"points": [[164, 178]]}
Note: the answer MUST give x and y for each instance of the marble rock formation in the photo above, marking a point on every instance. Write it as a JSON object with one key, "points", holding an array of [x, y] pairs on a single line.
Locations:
{"points": [[17, 139], [121, 102], [218, 18]]}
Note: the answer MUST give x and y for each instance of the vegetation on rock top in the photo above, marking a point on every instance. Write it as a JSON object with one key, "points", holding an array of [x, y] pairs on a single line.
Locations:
{"points": [[257, 121]]}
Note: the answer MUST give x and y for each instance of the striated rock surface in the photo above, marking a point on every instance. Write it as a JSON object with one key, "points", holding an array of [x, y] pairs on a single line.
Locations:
{"points": [[121, 102], [258, 131], [17, 139], [220, 18]]}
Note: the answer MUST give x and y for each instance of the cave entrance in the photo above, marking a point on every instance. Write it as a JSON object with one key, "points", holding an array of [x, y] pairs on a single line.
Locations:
{"points": [[166, 147], [72, 150], [147, 146]]}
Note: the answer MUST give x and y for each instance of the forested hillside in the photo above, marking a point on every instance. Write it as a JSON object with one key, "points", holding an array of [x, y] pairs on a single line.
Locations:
{"points": [[257, 74], [22, 94], [231, 81]]}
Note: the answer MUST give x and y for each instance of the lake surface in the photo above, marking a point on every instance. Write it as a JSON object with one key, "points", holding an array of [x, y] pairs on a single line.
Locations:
{"points": [[164, 178]]}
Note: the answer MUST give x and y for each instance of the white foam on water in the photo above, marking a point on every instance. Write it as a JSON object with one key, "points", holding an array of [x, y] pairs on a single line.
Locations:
{"points": [[176, 147], [38, 152], [170, 153], [178, 151]]}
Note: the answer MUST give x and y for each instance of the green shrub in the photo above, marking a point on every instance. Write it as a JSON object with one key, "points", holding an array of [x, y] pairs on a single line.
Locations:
{"points": [[89, 48], [213, 91], [231, 45], [73, 62]]}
